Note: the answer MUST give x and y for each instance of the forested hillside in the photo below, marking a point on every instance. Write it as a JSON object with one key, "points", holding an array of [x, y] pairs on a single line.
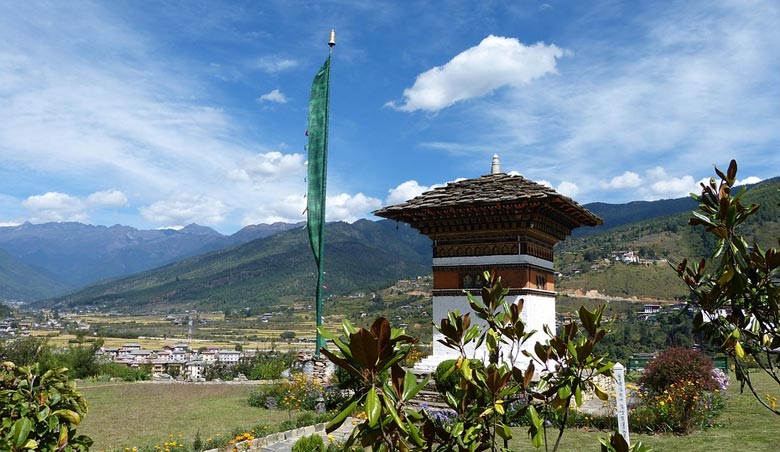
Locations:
{"points": [[585, 261], [362, 256]]}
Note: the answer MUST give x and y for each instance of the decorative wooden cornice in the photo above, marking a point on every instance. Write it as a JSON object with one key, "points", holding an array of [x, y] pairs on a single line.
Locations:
{"points": [[482, 268], [497, 203], [477, 292]]}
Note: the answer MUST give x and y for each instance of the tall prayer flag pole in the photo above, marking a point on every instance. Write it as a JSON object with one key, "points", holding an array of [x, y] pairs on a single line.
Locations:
{"points": [[318, 175]]}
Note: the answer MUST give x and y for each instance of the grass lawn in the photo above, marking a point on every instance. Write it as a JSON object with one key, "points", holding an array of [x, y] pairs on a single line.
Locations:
{"points": [[137, 414], [126, 415], [746, 426]]}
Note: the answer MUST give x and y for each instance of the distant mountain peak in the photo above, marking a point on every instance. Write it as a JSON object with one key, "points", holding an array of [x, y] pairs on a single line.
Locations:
{"points": [[196, 229]]}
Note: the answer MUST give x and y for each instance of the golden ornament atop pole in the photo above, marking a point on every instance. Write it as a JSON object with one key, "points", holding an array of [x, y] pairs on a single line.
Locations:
{"points": [[332, 41]]}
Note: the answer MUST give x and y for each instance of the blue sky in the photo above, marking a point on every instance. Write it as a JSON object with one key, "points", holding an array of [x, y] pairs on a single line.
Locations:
{"points": [[160, 114]]}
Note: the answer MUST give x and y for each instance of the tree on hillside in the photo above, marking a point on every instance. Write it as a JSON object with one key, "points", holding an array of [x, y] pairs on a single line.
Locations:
{"points": [[737, 292]]}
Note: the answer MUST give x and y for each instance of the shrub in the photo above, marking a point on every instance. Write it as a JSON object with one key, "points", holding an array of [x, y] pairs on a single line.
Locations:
{"points": [[679, 409], [125, 373], [302, 393], [259, 397], [313, 443], [680, 393], [678, 364], [335, 397], [445, 377], [287, 425], [40, 411], [305, 419], [568, 368], [449, 383]]}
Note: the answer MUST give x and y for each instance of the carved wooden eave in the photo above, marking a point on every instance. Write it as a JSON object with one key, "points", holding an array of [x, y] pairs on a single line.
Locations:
{"points": [[496, 204]]}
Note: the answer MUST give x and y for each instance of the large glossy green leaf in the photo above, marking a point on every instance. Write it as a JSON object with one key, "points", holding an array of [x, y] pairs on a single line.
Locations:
{"points": [[342, 416], [20, 431], [373, 407], [69, 415], [535, 430]]}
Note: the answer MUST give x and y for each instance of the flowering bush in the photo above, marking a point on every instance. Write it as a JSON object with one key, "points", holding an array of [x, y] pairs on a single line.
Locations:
{"points": [[300, 393], [678, 364], [721, 379], [680, 409], [681, 392]]}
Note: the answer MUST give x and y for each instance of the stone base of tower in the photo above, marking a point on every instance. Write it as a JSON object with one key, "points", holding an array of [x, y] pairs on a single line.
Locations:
{"points": [[538, 311]]}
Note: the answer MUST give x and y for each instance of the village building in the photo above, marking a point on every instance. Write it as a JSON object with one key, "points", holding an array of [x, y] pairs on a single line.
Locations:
{"points": [[499, 222], [228, 356]]}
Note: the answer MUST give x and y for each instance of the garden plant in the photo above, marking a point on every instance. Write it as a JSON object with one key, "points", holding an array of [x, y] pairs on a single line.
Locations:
{"points": [[737, 293], [679, 393], [565, 366], [40, 411]]}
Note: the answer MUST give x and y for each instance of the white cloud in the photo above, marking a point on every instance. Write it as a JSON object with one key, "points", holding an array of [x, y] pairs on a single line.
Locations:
{"points": [[629, 179], [748, 180], [350, 208], [55, 206], [269, 166], [275, 64], [291, 209], [405, 191], [272, 163], [186, 209], [494, 63], [286, 209], [107, 198], [273, 96], [546, 183], [569, 189], [661, 185]]}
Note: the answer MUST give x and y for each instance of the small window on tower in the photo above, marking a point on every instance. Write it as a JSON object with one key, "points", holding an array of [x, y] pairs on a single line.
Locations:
{"points": [[540, 281]]}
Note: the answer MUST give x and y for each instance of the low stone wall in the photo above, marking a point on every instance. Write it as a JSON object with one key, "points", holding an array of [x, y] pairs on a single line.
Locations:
{"points": [[257, 444]]}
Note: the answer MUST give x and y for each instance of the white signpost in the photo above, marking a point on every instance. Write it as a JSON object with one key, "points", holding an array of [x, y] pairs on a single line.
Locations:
{"points": [[620, 392]]}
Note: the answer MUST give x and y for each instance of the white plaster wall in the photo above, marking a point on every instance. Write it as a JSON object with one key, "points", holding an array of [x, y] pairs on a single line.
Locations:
{"points": [[538, 310]]}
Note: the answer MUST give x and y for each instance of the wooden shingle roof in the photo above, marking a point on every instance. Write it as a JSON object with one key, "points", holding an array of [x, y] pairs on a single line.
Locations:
{"points": [[493, 192]]}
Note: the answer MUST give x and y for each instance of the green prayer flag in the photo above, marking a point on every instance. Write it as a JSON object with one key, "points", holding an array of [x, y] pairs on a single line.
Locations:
{"points": [[318, 159], [318, 178]]}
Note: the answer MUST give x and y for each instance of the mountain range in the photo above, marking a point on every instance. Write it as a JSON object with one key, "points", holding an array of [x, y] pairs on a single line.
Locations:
{"points": [[362, 256], [44, 260], [197, 266]]}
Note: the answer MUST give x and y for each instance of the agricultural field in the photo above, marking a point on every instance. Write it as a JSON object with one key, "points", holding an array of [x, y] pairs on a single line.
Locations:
{"points": [[407, 304]]}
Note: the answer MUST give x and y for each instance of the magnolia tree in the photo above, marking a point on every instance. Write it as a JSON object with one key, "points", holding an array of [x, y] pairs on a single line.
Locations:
{"points": [[40, 412], [489, 395], [736, 293]]}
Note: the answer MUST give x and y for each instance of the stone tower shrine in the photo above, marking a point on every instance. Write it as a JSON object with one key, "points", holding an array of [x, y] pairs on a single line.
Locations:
{"points": [[497, 222]]}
